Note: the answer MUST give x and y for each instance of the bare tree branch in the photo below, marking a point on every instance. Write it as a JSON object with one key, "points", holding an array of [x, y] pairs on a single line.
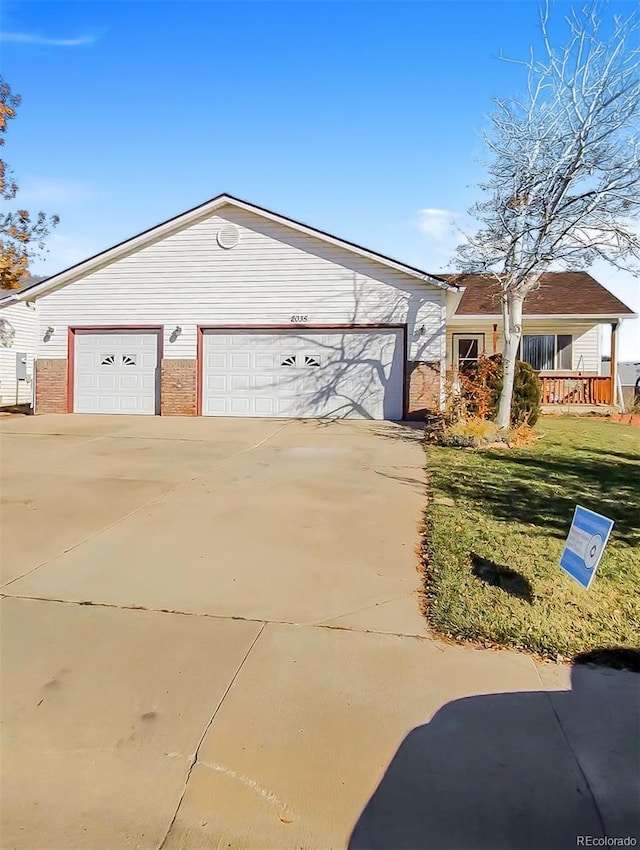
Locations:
{"points": [[563, 181]]}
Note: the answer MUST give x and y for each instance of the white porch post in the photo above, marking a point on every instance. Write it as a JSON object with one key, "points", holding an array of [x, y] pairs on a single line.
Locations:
{"points": [[614, 361]]}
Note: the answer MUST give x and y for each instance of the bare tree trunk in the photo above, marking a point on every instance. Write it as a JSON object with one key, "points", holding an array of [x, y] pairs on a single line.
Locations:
{"points": [[512, 317]]}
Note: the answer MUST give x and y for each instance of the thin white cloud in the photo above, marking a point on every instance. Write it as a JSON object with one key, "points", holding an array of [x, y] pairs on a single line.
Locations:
{"points": [[443, 229], [436, 223], [42, 191], [61, 252], [30, 38]]}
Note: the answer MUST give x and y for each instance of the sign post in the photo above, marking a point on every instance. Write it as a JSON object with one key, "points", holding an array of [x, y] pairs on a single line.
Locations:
{"points": [[585, 544]]}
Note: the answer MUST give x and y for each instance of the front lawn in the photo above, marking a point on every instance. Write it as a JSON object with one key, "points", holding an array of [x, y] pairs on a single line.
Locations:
{"points": [[511, 508]]}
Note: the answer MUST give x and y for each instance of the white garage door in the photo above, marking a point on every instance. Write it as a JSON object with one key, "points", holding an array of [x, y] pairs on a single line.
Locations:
{"points": [[116, 372], [350, 374]]}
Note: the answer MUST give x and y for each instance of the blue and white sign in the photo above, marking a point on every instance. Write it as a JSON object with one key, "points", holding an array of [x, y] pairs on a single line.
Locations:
{"points": [[585, 544]]}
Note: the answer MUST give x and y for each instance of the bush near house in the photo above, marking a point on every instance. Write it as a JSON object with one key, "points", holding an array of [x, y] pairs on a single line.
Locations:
{"points": [[482, 384], [472, 398], [495, 527]]}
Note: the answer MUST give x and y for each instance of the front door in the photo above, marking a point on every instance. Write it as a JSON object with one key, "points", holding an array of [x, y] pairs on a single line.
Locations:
{"points": [[467, 348]]}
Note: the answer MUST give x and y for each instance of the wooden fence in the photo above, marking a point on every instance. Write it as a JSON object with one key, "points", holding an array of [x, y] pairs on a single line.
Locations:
{"points": [[572, 389]]}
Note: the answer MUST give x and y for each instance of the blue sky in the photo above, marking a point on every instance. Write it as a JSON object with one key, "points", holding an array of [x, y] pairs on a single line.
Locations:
{"points": [[360, 118]]}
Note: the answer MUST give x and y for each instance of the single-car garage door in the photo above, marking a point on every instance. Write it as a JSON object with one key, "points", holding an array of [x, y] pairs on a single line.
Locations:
{"points": [[116, 372], [339, 374]]}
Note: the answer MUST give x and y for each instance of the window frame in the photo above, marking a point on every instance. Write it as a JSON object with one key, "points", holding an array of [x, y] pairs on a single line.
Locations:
{"points": [[454, 347], [556, 352]]}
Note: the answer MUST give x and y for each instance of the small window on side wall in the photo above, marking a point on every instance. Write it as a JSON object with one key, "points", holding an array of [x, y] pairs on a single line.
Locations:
{"points": [[467, 348]]}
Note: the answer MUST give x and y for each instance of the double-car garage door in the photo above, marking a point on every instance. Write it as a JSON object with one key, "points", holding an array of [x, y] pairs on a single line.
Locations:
{"points": [[337, 374], [356, 373]]}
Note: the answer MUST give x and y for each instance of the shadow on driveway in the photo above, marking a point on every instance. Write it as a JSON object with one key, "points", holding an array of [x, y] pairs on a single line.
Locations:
{"points": [[522, 770]]}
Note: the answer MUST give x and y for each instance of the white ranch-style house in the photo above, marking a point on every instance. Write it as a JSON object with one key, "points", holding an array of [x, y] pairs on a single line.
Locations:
{"points": [[232, 310]]}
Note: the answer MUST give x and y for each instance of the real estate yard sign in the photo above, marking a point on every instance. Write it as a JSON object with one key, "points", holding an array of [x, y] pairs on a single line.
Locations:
{"points": [[585, 544]]}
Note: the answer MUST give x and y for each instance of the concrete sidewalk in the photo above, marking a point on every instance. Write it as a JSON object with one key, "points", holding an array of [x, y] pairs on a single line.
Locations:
{"points": [[136, 729], [210, 638]]}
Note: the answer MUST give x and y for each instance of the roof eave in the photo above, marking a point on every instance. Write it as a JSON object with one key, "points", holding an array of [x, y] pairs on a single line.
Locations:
{"points": [[202, 211], [618, 317], [9, 298]]}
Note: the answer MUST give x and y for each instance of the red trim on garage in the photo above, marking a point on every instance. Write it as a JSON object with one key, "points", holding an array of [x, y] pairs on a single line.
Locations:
{"points": [[405, 374], [71, 348], [71, 354], [199, 371], [297, 328]]}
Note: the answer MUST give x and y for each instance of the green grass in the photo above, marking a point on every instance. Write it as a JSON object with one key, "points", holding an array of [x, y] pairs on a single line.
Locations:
{"points": [[514, 507]]}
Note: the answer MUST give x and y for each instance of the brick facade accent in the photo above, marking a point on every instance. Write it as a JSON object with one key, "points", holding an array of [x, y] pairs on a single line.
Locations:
{"points": [[51, 386], [423, 388], [178, 388]]}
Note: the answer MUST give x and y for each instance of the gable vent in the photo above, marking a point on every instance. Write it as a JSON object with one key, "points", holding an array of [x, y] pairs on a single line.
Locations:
{"points": [[228, 236]]}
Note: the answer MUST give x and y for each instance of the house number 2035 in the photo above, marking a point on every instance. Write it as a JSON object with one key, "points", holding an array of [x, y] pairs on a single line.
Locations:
{"points": [[299, 319]]}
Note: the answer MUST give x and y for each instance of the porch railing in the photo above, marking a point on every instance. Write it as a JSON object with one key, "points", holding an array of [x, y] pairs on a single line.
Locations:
{"points": [[574, 389]]}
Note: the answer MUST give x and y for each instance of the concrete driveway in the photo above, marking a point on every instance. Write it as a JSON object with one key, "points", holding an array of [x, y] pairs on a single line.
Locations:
{"points": [[293, 522], [211, 638]]}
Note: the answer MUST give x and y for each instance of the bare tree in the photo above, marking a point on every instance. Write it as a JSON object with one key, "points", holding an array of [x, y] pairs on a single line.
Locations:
{"points": [[564, 169]]}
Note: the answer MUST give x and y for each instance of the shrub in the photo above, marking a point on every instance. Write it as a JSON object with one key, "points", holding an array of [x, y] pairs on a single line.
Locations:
{"points": [[483, 429], [522, 435], [482, 384], [482, 433], [525, 405], [478, 385], [472, 433], [456, 407]]}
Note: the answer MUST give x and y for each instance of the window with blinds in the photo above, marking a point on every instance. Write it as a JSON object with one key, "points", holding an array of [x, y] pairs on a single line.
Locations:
{"points": [[547, 352]]}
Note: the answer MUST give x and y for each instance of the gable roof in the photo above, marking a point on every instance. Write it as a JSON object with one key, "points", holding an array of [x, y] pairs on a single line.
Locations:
{"points": [[558, 294], [199, 213]]}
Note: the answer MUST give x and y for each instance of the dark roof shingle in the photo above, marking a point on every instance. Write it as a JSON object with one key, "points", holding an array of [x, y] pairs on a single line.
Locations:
{"points": [[559, 293]]}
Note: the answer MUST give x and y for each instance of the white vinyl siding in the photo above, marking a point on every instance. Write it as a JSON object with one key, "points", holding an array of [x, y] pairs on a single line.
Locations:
{"points": [[586, 347], [274, 273], [23, 320]]}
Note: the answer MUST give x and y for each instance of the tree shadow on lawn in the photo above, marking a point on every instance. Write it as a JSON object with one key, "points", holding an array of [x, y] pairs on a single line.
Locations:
{"points": [[502, 576], [632, 458], [543, 491]]}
